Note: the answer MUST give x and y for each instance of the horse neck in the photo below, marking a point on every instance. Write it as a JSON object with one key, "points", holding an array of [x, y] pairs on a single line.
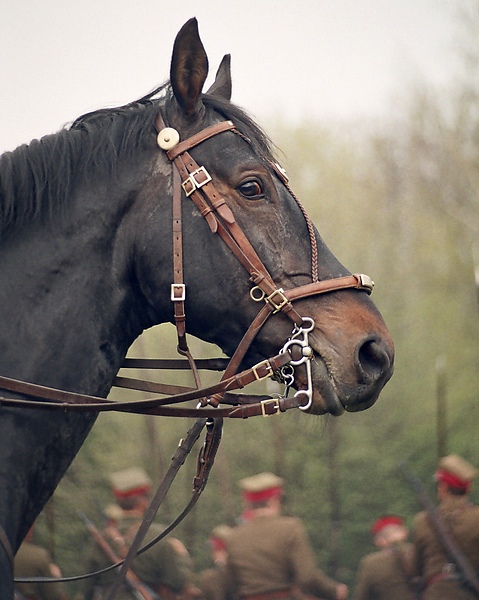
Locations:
{"points": [[69, 311]]}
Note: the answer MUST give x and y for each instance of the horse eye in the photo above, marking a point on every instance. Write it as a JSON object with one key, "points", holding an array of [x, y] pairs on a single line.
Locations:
{"points": [[251, 188]]}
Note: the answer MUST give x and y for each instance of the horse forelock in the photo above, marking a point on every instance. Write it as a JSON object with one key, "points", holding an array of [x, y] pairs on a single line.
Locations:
{"points": [[37, 179]]}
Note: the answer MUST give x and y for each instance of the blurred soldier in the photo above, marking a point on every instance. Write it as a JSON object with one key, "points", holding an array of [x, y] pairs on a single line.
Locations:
{"points": [[386, 574], [165, 568], [34, 561], [442, 578], [211, 582], [269, 555]]}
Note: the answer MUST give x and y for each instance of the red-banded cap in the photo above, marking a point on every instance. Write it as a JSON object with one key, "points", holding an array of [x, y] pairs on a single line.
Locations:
{"points": [[455, 472], [261, 487], [385, 521]]}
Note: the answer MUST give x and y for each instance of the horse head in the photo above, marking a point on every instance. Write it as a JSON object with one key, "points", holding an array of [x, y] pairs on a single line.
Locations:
{"points": [[352, 350]]}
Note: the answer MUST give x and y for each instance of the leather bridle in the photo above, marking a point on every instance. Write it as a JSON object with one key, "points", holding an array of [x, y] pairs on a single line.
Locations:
{"points": [[198, 185]]}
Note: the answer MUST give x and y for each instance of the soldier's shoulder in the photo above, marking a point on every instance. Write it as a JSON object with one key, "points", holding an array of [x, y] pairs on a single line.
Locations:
{"points": [[283, 523], [377, 562], [420, 519], [290, 521], [33, 554], [370, 560]]}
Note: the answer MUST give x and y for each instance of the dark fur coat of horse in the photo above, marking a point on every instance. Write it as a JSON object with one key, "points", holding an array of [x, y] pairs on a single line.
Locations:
{"points": [[86, 266]]}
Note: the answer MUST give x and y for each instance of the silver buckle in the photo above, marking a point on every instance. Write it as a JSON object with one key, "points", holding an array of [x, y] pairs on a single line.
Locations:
{"points": [[191, 183], [269, 370], [175, 288], [273, 401]]}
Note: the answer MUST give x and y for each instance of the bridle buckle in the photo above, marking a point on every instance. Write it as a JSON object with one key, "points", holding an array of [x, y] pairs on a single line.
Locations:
{"points": [[265, 364], [178, 292], [196, 180], [274, 402], [279, 303]]}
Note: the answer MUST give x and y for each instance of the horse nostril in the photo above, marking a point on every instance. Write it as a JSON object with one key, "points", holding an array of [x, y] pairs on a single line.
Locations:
{"points": [[373, 361]]}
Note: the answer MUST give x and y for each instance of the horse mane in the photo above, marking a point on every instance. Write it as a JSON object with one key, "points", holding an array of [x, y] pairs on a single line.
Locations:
{"points": [[256, 137], [37, 179]]}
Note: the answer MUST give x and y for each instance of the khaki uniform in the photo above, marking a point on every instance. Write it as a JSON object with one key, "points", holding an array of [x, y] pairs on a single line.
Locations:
{"points": [[272, 554], [382, 575], [213, 583], [162, 568], [35, 561], [431, 560]]}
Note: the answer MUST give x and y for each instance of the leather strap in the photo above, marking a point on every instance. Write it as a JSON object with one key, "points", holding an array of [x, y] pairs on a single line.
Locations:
{"points": [[178, 289], [197, 138], [64, 400], [356, 281], [172, 364]]}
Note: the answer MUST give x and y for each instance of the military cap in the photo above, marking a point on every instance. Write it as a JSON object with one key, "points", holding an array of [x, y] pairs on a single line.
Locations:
{"points": [[130, 482], [263, 486], [385, 521], [456, 472]]}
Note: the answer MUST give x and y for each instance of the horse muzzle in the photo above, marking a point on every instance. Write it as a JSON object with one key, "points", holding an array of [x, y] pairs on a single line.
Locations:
{"points": [[344, 387]]}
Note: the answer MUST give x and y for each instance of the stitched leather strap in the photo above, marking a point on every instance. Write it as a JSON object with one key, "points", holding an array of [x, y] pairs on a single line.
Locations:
{"points": [[196, 139], [178, 290]]}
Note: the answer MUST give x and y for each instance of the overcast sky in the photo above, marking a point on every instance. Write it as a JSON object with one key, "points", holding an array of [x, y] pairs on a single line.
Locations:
{"points": [[329, 59]]}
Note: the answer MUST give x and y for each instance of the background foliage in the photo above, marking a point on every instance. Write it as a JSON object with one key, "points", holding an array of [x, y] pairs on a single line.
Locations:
{"points": [[397, 200]]}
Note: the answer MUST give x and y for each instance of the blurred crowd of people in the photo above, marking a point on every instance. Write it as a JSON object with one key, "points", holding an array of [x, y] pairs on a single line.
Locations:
{"points": [[267, 555]]}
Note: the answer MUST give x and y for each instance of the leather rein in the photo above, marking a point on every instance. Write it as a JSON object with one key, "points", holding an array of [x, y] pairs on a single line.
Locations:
{"points": [[198, 186]]}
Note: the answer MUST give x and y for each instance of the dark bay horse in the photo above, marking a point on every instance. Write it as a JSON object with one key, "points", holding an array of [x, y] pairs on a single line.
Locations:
{"points": [[87, 264]]}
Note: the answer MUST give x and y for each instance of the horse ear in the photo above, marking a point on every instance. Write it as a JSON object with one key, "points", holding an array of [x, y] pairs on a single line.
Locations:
{"points": [[189, 67], [222, 84]]}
